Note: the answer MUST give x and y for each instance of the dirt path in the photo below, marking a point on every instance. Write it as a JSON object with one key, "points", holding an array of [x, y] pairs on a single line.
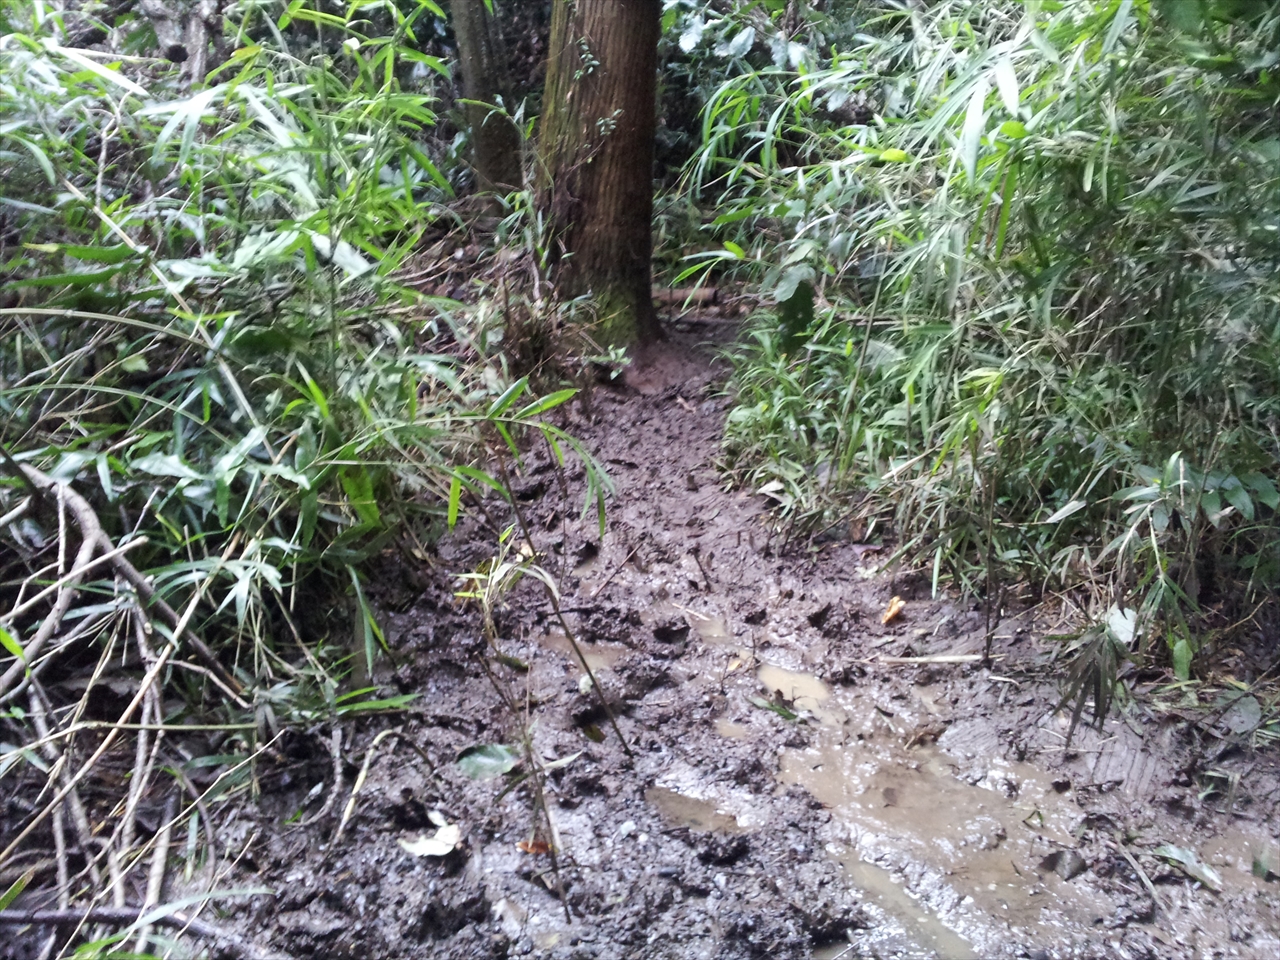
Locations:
{"points": [[794, 792]]}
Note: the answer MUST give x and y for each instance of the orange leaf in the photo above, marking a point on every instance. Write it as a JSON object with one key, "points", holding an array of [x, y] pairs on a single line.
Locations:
{"points": [[895, 607], [533, 846]]}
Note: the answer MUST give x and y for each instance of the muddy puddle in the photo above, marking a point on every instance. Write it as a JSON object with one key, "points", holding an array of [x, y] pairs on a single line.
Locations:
{"points": [[706, 626], [683, 811], [599, 656], [961, 854], [971, 837], [918, 927], [732, 731]]}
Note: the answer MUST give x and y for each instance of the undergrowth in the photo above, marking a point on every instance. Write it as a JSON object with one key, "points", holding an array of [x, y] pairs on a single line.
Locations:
{"points": [[1027, 306], [218, 402]]}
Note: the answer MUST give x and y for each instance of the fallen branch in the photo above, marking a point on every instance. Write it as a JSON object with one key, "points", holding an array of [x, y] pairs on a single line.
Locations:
{"points": [[159, 861], [698, 295], [149, 678], [92, 539], [92, 534]]}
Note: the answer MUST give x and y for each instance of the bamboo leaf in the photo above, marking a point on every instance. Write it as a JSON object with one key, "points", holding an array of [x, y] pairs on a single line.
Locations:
{"points": [[1072, 507], [1007, 84], [455, 499], [15, 889], [111, 76], [508, 397], [12, 645], [549, 402], [971, 133]]}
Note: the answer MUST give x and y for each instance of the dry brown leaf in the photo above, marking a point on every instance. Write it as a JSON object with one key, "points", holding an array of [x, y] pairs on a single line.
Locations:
{"points": [[857, 529], [895, 607]]}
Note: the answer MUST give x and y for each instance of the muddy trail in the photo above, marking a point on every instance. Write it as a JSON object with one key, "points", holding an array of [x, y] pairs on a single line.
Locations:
{"points": [[805, 780]]}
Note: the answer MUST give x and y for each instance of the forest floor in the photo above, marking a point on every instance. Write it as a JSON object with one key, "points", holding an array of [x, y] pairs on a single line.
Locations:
{"points": [[802, 784]]}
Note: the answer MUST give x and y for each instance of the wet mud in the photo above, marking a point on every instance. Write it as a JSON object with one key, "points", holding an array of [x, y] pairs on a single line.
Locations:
{"points": [[805, 781]]}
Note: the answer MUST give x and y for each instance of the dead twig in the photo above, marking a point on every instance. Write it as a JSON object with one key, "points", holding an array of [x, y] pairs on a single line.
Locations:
{"points": [[58, 762], [73, 577], [159, 863], [92, 539], [335, 754], [356, 787], [616, 570], [1142, 875], [697, 558]]}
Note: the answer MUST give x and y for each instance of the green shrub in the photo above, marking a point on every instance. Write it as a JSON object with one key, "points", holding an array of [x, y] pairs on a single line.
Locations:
{"points": [[203, 333], [1047, 303]]}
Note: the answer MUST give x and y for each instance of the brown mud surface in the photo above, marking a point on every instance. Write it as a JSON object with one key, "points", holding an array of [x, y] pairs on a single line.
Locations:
{"points": [[885, 808]]}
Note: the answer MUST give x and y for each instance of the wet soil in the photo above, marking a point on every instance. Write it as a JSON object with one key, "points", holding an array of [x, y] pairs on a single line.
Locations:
{"points": [[804, 781]]}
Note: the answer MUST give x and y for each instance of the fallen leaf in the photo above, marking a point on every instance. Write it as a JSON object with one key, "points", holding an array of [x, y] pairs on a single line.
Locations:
{"points": [[442, 844], [1243, 716], [487, 761], [895, 607], [1191, 865], [533, 846], [515, 663], [772, 489], [561, 762]]}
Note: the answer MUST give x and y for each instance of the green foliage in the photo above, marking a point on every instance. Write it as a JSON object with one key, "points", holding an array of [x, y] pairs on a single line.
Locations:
{"points": [[200, 344], [1048, 303], [204, 335]]}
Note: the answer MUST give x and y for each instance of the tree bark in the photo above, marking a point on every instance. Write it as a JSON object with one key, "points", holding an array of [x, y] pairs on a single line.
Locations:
{"points": [[184, 30], [596, 143], [495, 142]]}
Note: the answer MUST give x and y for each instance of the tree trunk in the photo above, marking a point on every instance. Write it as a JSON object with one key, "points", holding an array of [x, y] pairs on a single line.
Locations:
{"points": [[596, 151], [495, 142], [184, 30]]}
